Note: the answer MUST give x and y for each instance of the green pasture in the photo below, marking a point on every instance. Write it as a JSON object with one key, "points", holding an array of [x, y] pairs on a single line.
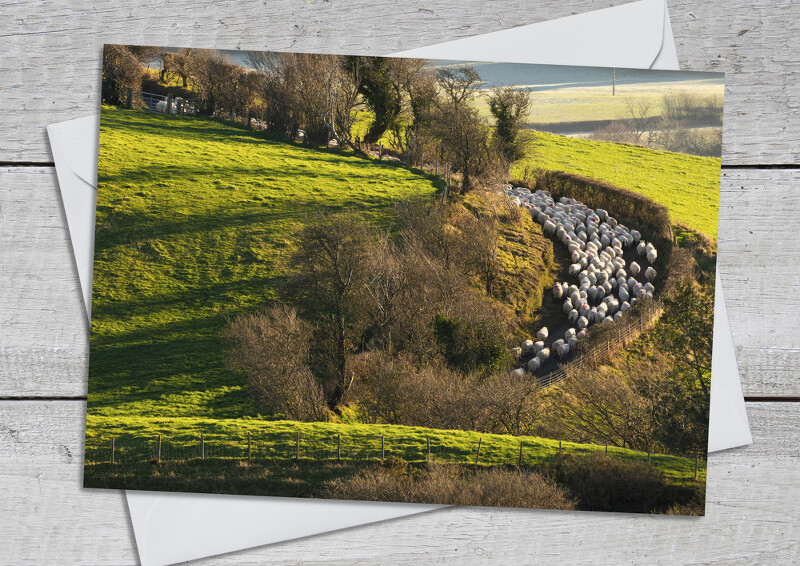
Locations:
{"points": [[194, 223], [227, 439], [686, 184]]}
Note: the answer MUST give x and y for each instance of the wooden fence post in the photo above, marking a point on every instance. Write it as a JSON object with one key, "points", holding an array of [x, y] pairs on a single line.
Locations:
{"points": [[249, 447], [202, 447], [429, 448], [159, 448], [478, 455], [696, 462], [297, 445], [382, 452], [648, 456], [446, 182], [519, 460], [129, 101], [559, 446], [169, 104], [112, 450], [380, 150], [606, 448], [338, 447]]}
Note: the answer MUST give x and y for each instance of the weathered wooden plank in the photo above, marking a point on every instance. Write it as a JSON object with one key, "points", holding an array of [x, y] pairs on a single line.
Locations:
{"points": [[51, 52], [43, 334], [752, 515]]}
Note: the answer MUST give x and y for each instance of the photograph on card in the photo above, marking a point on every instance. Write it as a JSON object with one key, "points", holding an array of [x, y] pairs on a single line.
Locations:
{"points": [[407, 280]]}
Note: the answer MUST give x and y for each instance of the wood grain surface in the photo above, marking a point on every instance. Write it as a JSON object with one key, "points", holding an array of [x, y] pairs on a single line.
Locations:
{"points": [[49, 72]]}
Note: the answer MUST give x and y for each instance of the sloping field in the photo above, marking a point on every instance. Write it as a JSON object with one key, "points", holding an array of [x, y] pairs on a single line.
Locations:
{"points": [[686, 184], [194, 221]]}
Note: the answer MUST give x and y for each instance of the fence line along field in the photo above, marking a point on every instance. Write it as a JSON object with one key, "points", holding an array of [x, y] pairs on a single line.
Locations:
{"points": [[325, 281], [289, 440]]}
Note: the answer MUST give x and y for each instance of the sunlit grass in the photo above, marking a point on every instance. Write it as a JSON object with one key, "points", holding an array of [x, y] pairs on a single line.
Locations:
{"points": [[686, 184], [194, 223]]}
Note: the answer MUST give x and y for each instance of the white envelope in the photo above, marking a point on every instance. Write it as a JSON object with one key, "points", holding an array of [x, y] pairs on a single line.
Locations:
{"points": [[174, 527]]}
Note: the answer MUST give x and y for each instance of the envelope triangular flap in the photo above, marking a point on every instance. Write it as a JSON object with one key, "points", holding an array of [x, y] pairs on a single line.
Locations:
{"points": [[630, 36]]}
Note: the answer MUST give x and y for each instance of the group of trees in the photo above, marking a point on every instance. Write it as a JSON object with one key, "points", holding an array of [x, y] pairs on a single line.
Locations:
{"points": [[415, 300], [687, 123], [427, 113], [403, 330], [657, 397]]}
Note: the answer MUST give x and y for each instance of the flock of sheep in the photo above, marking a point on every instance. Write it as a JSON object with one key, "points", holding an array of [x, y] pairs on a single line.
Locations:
{"points": [[605, 289]]}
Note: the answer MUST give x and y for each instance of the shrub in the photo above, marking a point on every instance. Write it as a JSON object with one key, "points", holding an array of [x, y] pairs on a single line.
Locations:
{"points": [[271, 347], [454, 485], [599, 483], [630, 208], [472, 344]]}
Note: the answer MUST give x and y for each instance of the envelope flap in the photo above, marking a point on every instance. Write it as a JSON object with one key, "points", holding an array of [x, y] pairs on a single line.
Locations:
{"points": [[628, 36], [78, 143]]}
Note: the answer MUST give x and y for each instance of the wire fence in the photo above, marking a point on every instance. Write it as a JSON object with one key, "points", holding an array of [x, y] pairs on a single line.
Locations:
{"points": [[159, 103], [610, 339], [296, 446]]}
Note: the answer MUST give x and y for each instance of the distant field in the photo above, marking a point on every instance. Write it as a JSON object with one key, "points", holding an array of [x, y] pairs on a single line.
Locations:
{"points": [[687, 185], [194, 222], [573, 104]]}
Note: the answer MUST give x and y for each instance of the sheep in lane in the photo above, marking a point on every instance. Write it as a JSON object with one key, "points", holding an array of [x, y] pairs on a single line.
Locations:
{"points": [[650, 273], [543, 333]]}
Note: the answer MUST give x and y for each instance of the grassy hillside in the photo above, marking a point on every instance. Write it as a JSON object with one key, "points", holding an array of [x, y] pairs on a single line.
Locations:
{"points": [[687, 185], [135, 440], [194, 220]]}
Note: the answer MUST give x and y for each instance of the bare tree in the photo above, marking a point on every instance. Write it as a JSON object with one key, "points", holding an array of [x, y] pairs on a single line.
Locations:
{"points": [[640, 121], [271, 347], [331, 272], [122, 70], [464, 135]]}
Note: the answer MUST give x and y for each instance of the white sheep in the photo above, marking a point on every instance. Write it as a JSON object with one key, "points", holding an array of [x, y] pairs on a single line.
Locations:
{"points": [[519, 372], [533, 364], [572, 342], [582, 323], [543, 333], [569, 333], [543, 354], [537, 346], [527, 347], [595, 243], [516, 352], [650, 273]]}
